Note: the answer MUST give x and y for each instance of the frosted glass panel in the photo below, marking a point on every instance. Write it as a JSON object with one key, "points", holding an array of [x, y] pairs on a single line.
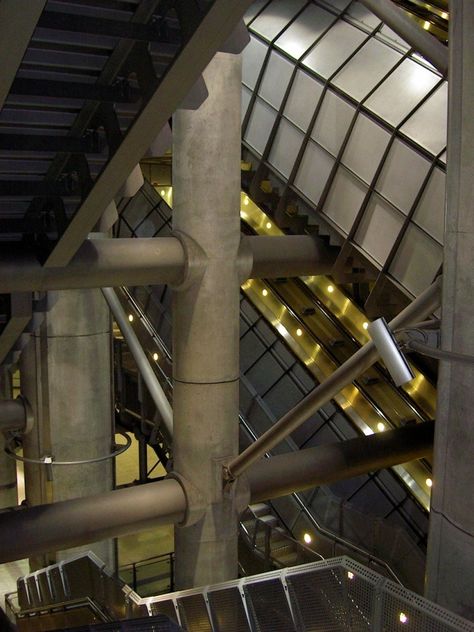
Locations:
{"points": [[302, 100], [275, 17], [252, 61], [314, 171], [338, 5], [246, 94], [285, 147], [428, 124], [275, 80], [402, 175], [260, 125], [387, 35], [333, 122], [417, 260], [362, 16], [366, 69], [345, 199], [365, 148], [253, 10], [430, 211], [379, 228], [334, 48], [401, 91], [304, 31]]}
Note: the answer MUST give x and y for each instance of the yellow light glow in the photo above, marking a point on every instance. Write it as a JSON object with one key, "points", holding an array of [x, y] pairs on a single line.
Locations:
{"points": [[429, 482], [365, 325], [350, 575], [444, 15], [264, 292], [307, 538], [130, 318], [299, 332], [426, 26], [246, 200], [155, 357], [330, 289], [380, 426], [403, 617], [268, 224]]}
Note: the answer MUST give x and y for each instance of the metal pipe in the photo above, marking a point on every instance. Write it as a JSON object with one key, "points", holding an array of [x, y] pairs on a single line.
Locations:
{"points": [[288, 256], [154, 387], [399, 21], [14, 414], [305, 469], [421, 307], [46, 528], [98, 263]]}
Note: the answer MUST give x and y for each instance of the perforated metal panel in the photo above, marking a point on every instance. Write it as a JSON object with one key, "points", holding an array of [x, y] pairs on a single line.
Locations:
{"points": [[164, 607], [319, 600], [228, 613], [268, 607], [193, 613], [335, 595]]}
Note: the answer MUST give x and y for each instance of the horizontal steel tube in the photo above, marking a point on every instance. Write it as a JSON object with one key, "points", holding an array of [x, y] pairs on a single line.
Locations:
{"points": [[61, 525], [288, 256], [98, 263], [420, 40], [297, 471], [154, 387], [357, 364], [13, 415]]}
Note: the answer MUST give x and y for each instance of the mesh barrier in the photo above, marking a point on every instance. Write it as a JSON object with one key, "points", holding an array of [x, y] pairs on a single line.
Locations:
{"points": [[338, 595]]}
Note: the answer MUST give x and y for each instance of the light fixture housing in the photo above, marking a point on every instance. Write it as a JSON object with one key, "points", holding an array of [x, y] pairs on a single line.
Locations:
{"points": [[389, 351]]}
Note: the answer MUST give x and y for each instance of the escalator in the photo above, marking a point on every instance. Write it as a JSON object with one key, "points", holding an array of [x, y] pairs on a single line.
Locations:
{"points": [[149, 215]]}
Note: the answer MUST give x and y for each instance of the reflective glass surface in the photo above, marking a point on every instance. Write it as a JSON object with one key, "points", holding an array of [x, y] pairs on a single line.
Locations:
{"points": [[303, 99], [305, 30], [334, 48], [368, 66]]}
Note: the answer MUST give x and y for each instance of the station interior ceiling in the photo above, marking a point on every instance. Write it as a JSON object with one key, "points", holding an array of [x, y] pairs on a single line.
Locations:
{"points": [[343, 137]]}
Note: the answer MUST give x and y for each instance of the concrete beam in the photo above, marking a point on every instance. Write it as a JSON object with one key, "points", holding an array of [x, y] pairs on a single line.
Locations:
{"points": [[98, 263]]}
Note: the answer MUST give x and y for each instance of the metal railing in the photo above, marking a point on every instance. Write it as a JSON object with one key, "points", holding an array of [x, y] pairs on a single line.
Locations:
{"points": [[151, 576]]}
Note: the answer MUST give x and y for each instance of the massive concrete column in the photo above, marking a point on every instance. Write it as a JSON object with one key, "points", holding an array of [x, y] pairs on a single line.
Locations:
{"points": [[8, 491], [206, 179], [450, 562], [66, 375]]}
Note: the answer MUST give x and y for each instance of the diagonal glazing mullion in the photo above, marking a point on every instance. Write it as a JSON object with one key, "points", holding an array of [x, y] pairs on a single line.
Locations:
{"points": [[297, 65], [270, 48], [286, 372], [408, 219], [394, 135]]}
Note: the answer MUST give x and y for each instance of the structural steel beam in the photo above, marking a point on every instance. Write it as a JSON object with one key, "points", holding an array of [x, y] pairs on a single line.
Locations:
{"points": [[99, 263], [46, 528], [13, 414], [142, 261], [288, 256], [215, 28], [21, 312], [143, 364], [421, 307], [424, 43], [305, 469], [16, 29]]}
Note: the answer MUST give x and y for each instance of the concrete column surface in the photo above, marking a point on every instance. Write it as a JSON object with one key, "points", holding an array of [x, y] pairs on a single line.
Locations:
{"points": [[66, 375], [206, 192], [450, 559], [8, 488]]}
